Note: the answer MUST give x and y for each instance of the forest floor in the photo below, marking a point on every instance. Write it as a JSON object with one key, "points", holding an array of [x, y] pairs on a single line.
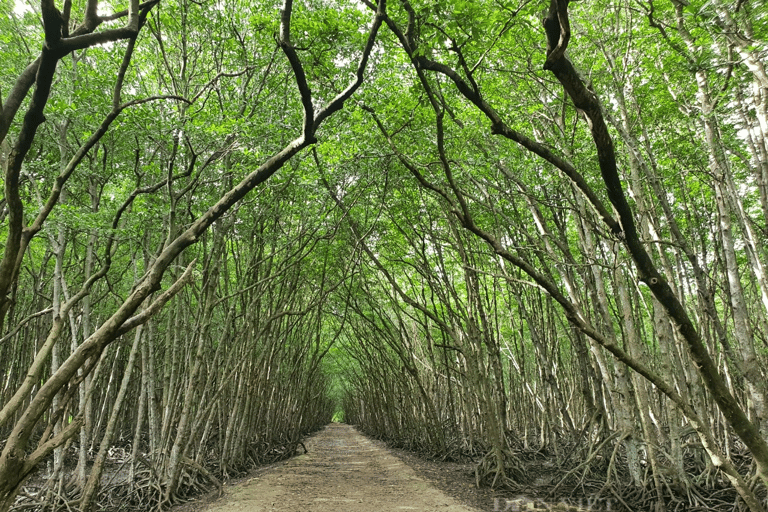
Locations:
{"points": [[346, 471]]}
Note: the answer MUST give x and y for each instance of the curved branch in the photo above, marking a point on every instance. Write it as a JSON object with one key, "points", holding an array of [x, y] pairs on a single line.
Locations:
{"points": [[158, 303], [16, 96], [298, 69], [338, 102], [588, 102]]}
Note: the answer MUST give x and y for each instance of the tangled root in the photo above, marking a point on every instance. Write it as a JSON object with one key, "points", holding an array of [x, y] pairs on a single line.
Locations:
{"points": [[507, 473]]}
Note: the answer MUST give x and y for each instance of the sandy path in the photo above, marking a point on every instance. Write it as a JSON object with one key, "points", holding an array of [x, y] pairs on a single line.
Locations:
{"points": [[343, 471]]}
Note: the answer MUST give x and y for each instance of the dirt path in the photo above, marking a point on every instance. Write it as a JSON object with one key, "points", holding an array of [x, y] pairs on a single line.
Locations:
{"points": [[343, 471]]}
